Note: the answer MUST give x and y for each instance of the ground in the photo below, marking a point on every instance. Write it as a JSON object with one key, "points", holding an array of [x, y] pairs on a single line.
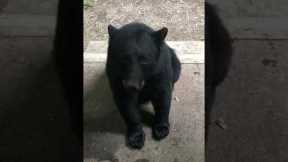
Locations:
{"points": [[255, 116], [252, 102], [184, 20], [105, 140], [34, 119]]}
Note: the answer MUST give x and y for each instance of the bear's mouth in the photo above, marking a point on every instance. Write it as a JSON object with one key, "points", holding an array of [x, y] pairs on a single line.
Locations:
{"points": [[133, 84]]}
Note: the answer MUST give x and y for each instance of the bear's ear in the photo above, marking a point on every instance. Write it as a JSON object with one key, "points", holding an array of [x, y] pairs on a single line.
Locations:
{"points": [[161, 34], [111, 30]]}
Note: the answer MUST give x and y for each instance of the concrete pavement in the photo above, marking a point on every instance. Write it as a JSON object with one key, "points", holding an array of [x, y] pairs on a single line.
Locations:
{"points": [[252, 101], [104, 137], [34, 120]]}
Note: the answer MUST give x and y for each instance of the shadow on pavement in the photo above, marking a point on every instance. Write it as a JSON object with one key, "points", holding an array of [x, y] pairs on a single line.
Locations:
{"points": [[102, 121]]}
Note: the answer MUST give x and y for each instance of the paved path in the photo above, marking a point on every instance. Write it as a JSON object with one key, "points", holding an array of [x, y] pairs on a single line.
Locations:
{"points": [[256, 116], [252, 101], [185, 22]]}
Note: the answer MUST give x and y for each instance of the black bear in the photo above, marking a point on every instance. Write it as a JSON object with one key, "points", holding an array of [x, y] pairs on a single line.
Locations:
{"points": [[141, 67], [218, 52]]}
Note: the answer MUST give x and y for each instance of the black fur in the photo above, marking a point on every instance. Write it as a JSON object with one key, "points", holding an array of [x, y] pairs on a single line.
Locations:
{"points": [[141, 68], [218, 52]]}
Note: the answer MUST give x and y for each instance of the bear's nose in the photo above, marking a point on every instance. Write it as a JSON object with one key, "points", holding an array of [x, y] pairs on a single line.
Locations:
{"points": [[131, 84]]}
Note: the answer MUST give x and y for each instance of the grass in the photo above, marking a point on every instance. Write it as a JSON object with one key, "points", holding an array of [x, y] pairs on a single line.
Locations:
{"points": [[88, 3]]}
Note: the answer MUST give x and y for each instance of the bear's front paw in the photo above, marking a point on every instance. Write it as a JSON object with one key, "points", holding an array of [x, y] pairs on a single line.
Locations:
{"points": [[136, 139], [160, 131]]}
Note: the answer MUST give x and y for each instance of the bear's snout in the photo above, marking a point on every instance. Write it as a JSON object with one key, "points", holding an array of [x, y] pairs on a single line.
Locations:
{"points": [[133, 84]]}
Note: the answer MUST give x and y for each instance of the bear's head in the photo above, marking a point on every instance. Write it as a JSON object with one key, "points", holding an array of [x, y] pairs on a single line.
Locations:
{"points": [[133, 53]]}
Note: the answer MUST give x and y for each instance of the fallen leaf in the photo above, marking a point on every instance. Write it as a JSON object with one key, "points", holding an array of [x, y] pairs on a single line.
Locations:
{"points": [[220, 122]]}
